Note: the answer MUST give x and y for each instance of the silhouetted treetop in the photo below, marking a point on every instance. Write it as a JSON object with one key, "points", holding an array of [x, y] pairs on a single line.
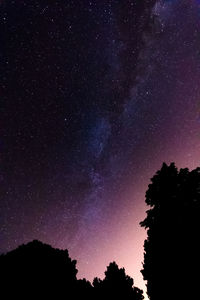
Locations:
{"points": [[40, 271], [116, 284], [38, 255], [114, 275], [37, 268], [171, 259]]}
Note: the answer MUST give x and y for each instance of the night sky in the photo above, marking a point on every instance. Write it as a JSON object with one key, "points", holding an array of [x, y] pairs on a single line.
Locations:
{"points": [[94, 96]]}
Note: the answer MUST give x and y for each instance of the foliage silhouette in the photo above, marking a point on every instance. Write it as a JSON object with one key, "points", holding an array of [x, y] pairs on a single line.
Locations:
{"points": [[116, 285], [40, 271], [171, 259]]}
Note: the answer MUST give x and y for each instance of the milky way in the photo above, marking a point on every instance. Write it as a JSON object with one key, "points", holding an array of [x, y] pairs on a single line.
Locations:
{"points": [[95, 95]]}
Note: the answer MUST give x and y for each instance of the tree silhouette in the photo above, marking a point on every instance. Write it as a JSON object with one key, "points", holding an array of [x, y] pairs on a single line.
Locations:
{"points": [[116, 285], [84, 290], [171, 259], [38, 270]]}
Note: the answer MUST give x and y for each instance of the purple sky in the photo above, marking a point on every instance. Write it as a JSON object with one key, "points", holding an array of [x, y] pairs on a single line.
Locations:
{"points": [[95, 96]]}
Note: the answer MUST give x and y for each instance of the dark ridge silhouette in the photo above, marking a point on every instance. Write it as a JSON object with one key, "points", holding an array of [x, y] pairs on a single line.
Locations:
{"points": [[172, 248], [37, 270]]}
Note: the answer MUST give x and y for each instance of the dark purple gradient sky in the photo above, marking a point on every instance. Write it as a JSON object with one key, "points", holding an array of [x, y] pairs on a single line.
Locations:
{"points": [[95, 95]]}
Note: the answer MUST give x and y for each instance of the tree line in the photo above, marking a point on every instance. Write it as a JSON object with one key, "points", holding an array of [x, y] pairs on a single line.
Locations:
{"points": [[40, 271], [171, 252]]}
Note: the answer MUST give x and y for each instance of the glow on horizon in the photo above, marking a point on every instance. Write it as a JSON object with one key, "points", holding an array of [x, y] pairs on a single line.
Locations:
{"points": [[129, 238]]}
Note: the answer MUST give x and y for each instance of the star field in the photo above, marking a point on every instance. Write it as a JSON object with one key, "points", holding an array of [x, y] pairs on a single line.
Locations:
{"points": [[95, 95]]}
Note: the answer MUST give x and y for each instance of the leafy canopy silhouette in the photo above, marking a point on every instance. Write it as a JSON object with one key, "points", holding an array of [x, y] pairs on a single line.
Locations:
{"points": [[40, 271], [172, 247], [116, 284]]}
